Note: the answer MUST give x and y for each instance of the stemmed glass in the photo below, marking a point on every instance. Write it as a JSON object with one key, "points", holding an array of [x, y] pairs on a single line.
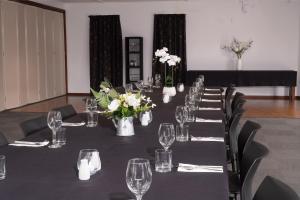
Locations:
{"points": [[54, 121], [157, 80], [166, 135], [181, 115], [138, 176], [150, 82]]}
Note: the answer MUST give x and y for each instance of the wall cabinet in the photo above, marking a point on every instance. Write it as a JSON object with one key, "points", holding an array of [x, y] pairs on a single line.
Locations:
{"points": [[134, 59], [32, 61]]}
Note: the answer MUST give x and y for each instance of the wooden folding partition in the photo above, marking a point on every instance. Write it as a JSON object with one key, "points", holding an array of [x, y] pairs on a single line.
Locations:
{"points": [[32, 65]]}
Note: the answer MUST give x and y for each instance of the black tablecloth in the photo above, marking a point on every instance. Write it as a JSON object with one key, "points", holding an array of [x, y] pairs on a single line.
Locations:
{"points": [[50, 174], [242, 78]]}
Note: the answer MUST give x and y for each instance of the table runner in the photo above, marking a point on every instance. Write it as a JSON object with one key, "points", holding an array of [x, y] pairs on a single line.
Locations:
{"points": [[43, 173]]}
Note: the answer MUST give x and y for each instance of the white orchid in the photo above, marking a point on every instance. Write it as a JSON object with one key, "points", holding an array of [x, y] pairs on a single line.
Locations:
{"points": [[133, 101], [164, 57], [114, 105]]}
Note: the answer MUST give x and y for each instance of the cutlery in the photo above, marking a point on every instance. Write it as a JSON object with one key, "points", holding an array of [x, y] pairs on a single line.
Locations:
{"points": [[208, 120], [73, 124], [207, 139], [211, 100], [209, 108]]}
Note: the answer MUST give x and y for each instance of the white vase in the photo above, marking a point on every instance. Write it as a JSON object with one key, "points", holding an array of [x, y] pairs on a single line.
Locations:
{"points": [[124, 126], [171, 91], [239, 64]]}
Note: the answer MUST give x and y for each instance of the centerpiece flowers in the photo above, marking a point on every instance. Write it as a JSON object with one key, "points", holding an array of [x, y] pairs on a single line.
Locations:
{"points": [[170, 62], [238, 48], [121, 108]]}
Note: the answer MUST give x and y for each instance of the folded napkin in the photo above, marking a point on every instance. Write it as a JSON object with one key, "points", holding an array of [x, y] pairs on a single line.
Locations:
{"points": [[29, 144], [199, 168], [211, 100], [203, 108], [207, 139], [211, 94], [213, 89], [209, 120], [73, 124]]}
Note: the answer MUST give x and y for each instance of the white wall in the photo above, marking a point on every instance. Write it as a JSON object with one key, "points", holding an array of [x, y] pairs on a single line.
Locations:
{"points": [[274, 25]]}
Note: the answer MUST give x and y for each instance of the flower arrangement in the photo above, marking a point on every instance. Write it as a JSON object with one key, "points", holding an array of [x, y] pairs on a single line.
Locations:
{"points": [[118, 106], [238, 47], [164, 57]]}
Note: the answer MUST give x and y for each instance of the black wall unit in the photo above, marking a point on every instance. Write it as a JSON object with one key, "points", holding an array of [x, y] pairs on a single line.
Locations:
{"points": [[134, 59]]}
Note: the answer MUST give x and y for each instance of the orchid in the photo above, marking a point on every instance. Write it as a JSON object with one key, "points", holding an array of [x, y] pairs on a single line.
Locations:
{"points": [[238, 47]]}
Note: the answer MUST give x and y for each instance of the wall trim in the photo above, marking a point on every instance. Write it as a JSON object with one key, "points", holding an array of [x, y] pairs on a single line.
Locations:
{"points": [[270, 97], [79, 94]]}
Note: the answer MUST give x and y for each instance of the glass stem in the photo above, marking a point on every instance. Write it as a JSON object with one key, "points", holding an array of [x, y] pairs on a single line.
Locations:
{"points": [[53, 137], [139, 197]]}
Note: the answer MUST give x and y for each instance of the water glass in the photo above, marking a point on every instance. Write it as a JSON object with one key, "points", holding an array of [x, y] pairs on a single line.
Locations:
{"points": [[157, 80], [54, 121], [90, 104], [93, 158], [182, 133], [166, 135], [146, 118], [200, 78], [138, 176], [2, 167], [180, 87], [61, 136], [190, 100], [181, 114], [190, 114], [92, 119], [163, 160], [150, 82]]}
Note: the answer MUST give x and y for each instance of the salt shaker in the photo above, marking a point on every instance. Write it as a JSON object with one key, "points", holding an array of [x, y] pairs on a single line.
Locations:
{"points": [[84, 170]]}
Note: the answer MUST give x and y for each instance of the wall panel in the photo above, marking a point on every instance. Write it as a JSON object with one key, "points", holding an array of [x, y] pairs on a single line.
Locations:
{"points": [[11, 54], [32, 53], [2, 97]]}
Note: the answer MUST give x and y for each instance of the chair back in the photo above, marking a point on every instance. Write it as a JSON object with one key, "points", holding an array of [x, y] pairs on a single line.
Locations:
{"points": [[66, 111], [250, 162], [233, 129], [33, 125], [3, 140], [246, 136], [239, 104], [236, 99], [273, 189], [228, 111]]}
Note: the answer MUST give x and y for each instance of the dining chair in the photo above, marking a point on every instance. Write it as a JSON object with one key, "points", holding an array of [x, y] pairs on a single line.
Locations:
{"points": [[3, 140], [241, 183], [227, 103], [274, 189], [66, 111], [242, 140], [238, 96], [33, 125]]}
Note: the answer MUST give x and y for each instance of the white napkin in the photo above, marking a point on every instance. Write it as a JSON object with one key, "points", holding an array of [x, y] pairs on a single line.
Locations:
{"points": [[29, 144], [213, 89], [199, 168], [209, 120], [73, 124], [211, 100], [211, 94], [207, 139], [209, 108]]}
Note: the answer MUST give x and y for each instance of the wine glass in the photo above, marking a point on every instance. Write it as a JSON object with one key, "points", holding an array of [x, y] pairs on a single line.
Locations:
{"points": [[157, 80], [138, 176], [181, 115], [54, 121], [91, 104], [150, 82], [166, 135]]}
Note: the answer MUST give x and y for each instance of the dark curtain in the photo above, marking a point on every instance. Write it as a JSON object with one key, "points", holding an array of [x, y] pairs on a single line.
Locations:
{"points": [[105, 50], [169, 31]]}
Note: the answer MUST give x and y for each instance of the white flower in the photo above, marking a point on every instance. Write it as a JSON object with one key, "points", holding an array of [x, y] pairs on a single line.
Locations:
{"points": [[131, 100], [148, 100], [164, 58], [153, 105], [171, 62], [114, 105], [165, 49]]}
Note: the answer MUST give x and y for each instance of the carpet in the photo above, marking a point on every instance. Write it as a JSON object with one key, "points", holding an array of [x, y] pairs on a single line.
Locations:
{"points": [[282, 137]]}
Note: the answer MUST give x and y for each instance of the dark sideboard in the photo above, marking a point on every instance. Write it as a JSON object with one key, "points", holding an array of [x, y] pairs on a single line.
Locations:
{"points": [[246, 78]]}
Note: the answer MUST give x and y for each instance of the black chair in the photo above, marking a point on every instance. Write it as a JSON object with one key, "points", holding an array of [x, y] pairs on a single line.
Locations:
{"points": [[66, 111], [241, 183], [3, 140], [227, 103], [236, 100], [273, 189], [243, 141], [33, 125]]}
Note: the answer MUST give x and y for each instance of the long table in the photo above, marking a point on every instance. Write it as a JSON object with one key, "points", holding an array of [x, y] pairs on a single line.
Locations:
{"points": [[51, 174]]}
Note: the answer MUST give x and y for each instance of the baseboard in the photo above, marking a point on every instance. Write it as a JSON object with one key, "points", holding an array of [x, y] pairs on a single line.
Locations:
{"points": [[271, 97], [78, 94]]}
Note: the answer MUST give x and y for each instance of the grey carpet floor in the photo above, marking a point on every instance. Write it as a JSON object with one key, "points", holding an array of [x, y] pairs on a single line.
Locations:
{"points": [[282, 137]]}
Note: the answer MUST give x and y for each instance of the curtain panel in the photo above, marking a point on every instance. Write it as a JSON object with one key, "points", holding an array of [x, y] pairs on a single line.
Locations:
{"points": [[105, 50], [170, 32]]}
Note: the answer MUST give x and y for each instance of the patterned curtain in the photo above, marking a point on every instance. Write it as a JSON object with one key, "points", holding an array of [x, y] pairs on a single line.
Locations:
{"points": [[105, 50], [169, 31]]}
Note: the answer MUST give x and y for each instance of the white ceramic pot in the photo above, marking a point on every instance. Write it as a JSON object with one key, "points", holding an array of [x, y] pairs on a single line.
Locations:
{"points": [[171, 91]]}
